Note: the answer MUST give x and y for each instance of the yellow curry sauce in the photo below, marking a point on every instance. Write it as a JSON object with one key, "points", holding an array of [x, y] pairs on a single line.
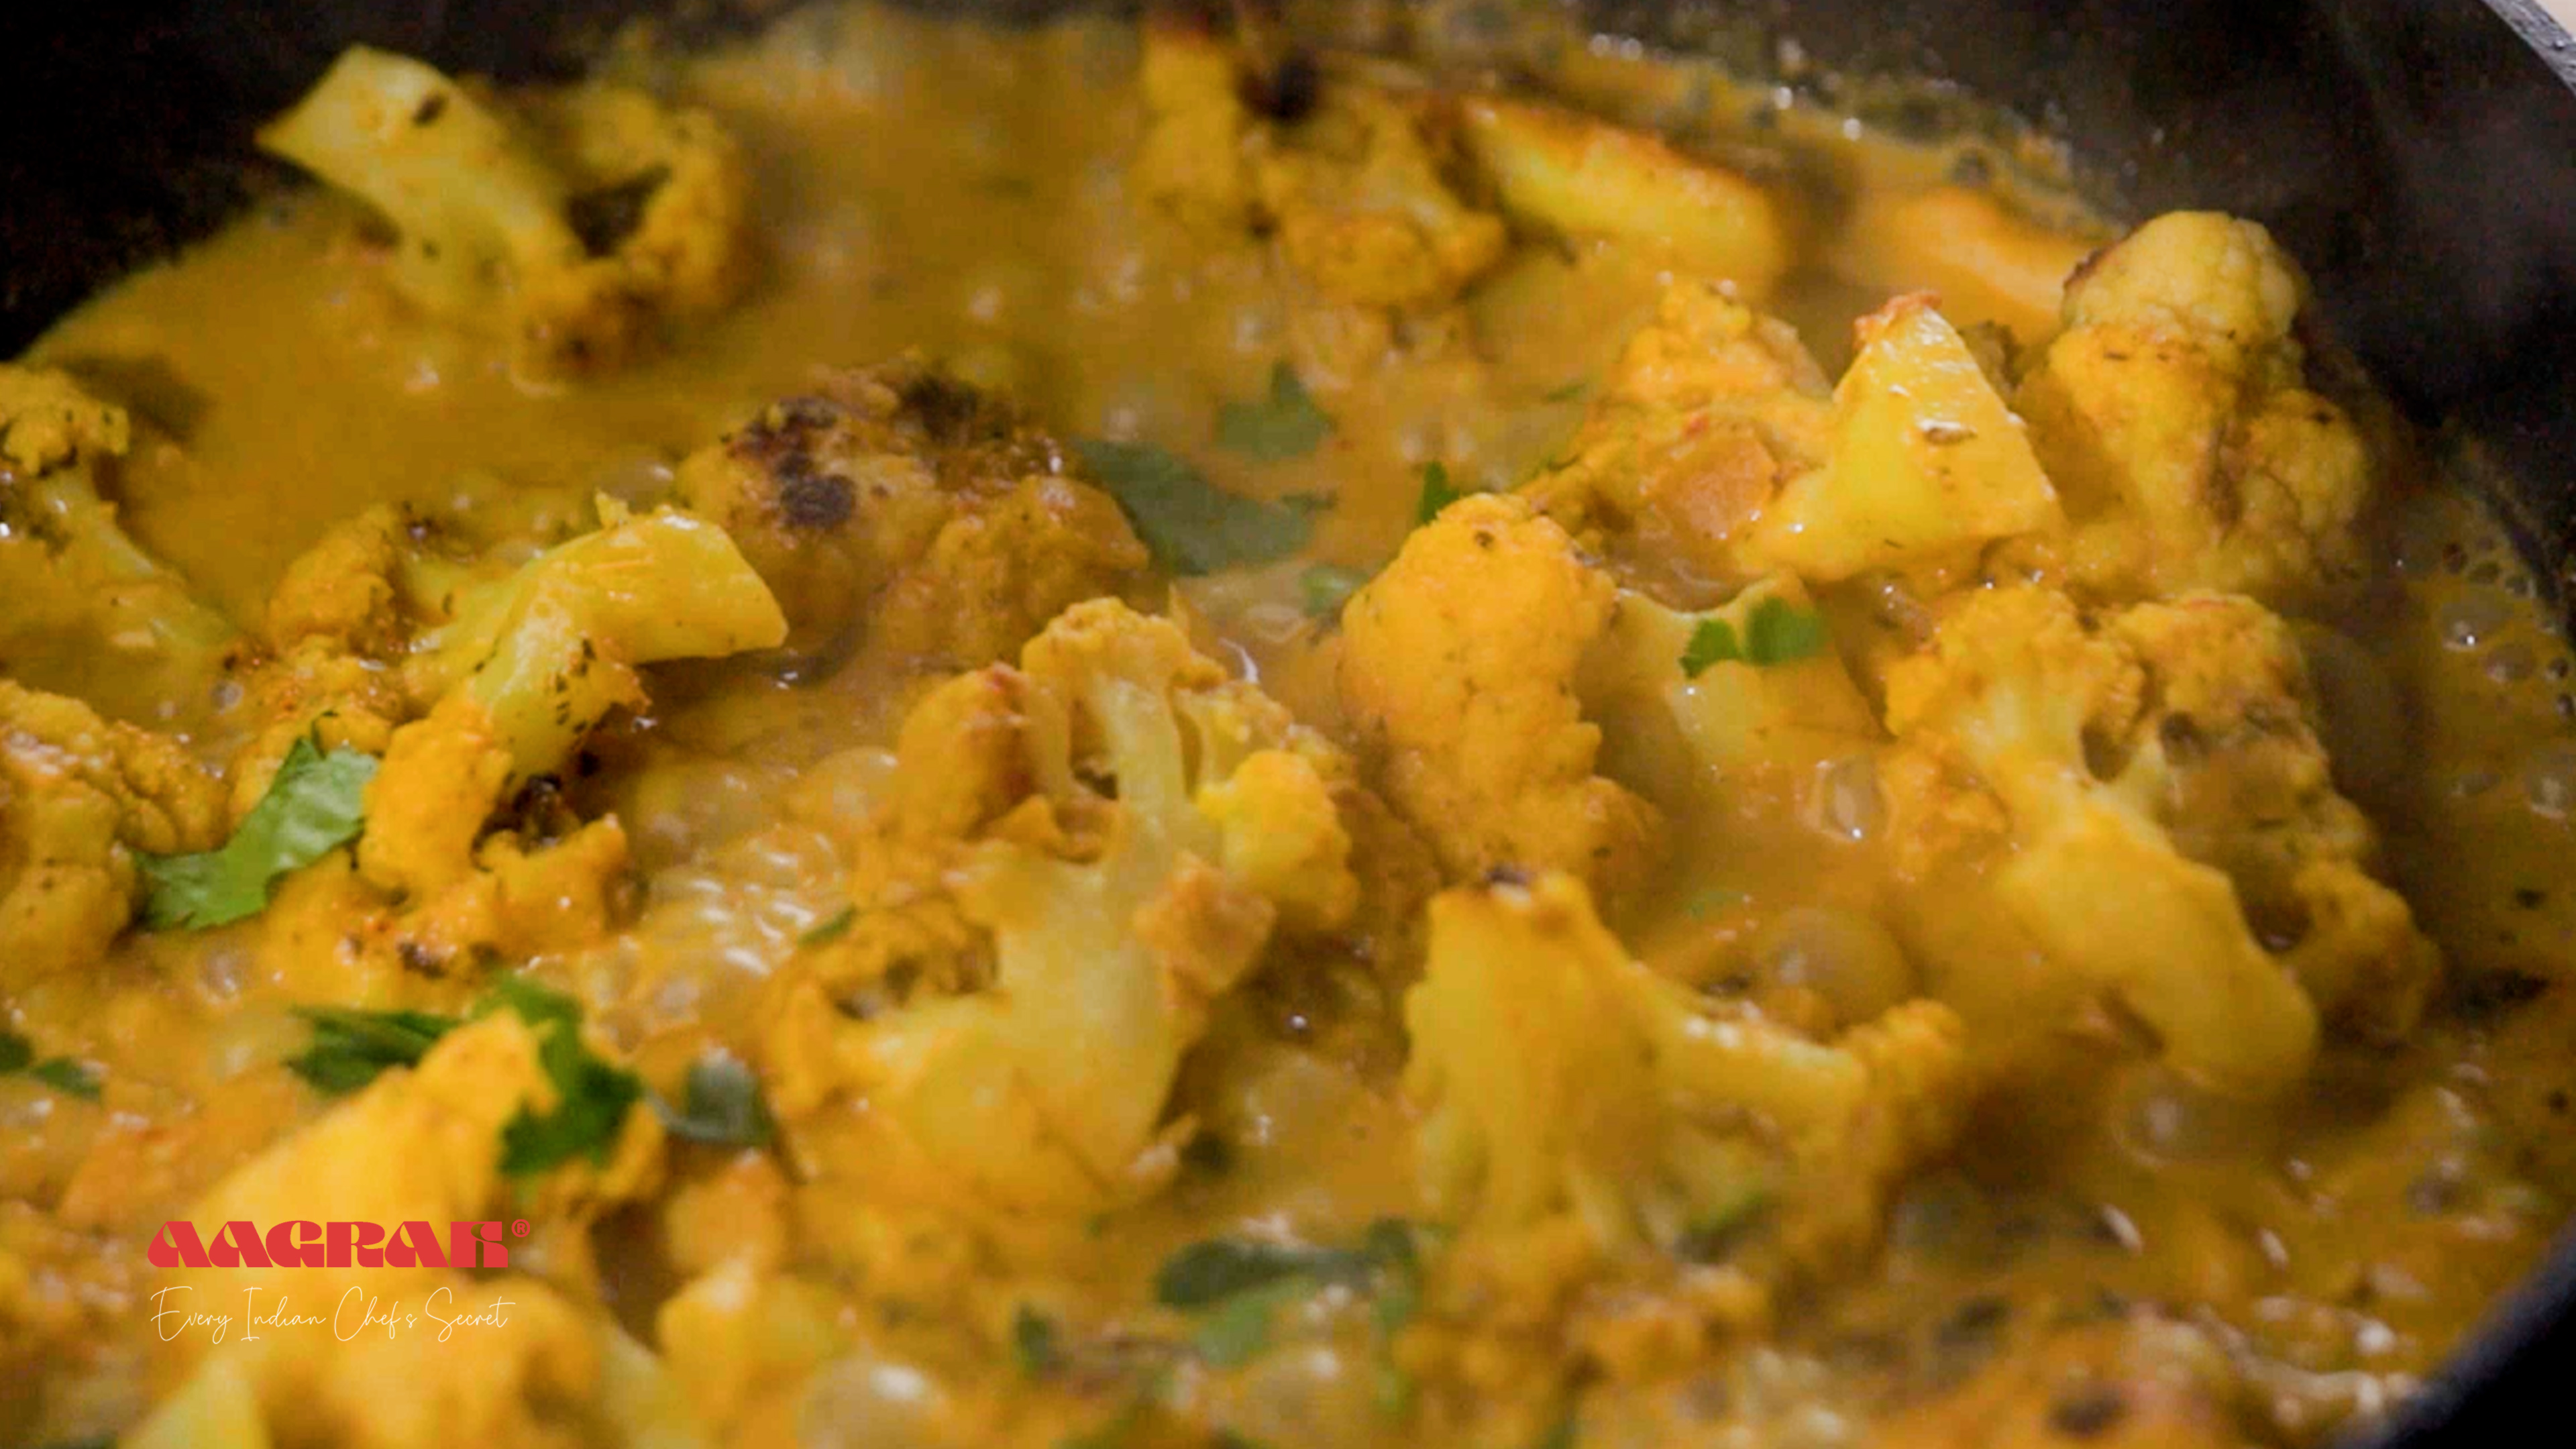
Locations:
{"points": [[2100, 1248]]}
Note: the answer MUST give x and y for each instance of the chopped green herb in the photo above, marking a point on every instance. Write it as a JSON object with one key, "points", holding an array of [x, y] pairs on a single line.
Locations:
{"points": [[1033, 1342], [1208, 1272], [1193, 526], [1713, 642], [829, 929], [1775, 632], [1709, 1236], [1560, 1435], [591, 1095], [1242, 1284], [64, 1075], [536, 1005], [1229, 1439], [1436, 493], [1286, 424], [315, 804], [723, 1105], [1569, 391], [1327, 587], [1238, 1328], [1310, 504], [351, 1046]]}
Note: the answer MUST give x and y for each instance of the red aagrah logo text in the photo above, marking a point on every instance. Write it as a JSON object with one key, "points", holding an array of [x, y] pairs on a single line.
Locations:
{"points": [[301, 1244]]}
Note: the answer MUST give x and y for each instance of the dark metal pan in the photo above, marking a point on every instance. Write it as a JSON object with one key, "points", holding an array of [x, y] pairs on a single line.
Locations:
{"points": [[2419, 156]]}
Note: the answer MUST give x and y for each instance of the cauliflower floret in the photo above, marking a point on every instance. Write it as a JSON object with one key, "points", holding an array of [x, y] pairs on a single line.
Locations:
{"points": [[1111, 831], [1926, 465], [333, 629], [421, 1145], [1711, 408], [579, 222], [1459, 673], [78, 587], [1775, 698], [2241, 781], [2172, 416], [1192, 159], [1352, 184], [1559, 1076], [1584, 177], [530, 665], [79, 798], [2157, 777], [903, 501]]}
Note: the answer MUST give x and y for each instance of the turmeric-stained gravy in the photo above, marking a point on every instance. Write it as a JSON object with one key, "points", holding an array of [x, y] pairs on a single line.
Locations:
{"points": [[1113, 736]]}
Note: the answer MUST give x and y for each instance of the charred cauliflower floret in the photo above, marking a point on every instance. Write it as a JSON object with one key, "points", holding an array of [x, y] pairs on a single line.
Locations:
{"points": [[79, 799], [2242, 782], [77, 586], [1085, 852], [2171, 837], [1581, 177], [1559, 1076], [2173, 416], [1353, 184], [419, 1145], [580, 223], [531, 664], [903, 502], [1459, 675], [1711, 408]]}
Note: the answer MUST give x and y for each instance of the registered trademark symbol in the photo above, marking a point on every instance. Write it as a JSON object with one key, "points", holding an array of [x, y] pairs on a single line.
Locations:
{"points": [[518, 1227]]}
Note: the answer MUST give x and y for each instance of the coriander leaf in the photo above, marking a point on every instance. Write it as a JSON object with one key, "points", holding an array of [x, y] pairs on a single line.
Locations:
{"points": [[1238, 1328], [1712, 1233], [1286, 424], [723, 1105], [538, 1006], [1229, 1439], [1033, 1342], [1560, 1435], [1208, 1272], [1193, 526], [350, 1046], [829, 929], [592, 1095], [1713, 642], [1775, 632], [1310, 504], [1326, 587], [1436, 493], [1779, 632], [66, 1076], [315, 804], [1569, 391]]}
